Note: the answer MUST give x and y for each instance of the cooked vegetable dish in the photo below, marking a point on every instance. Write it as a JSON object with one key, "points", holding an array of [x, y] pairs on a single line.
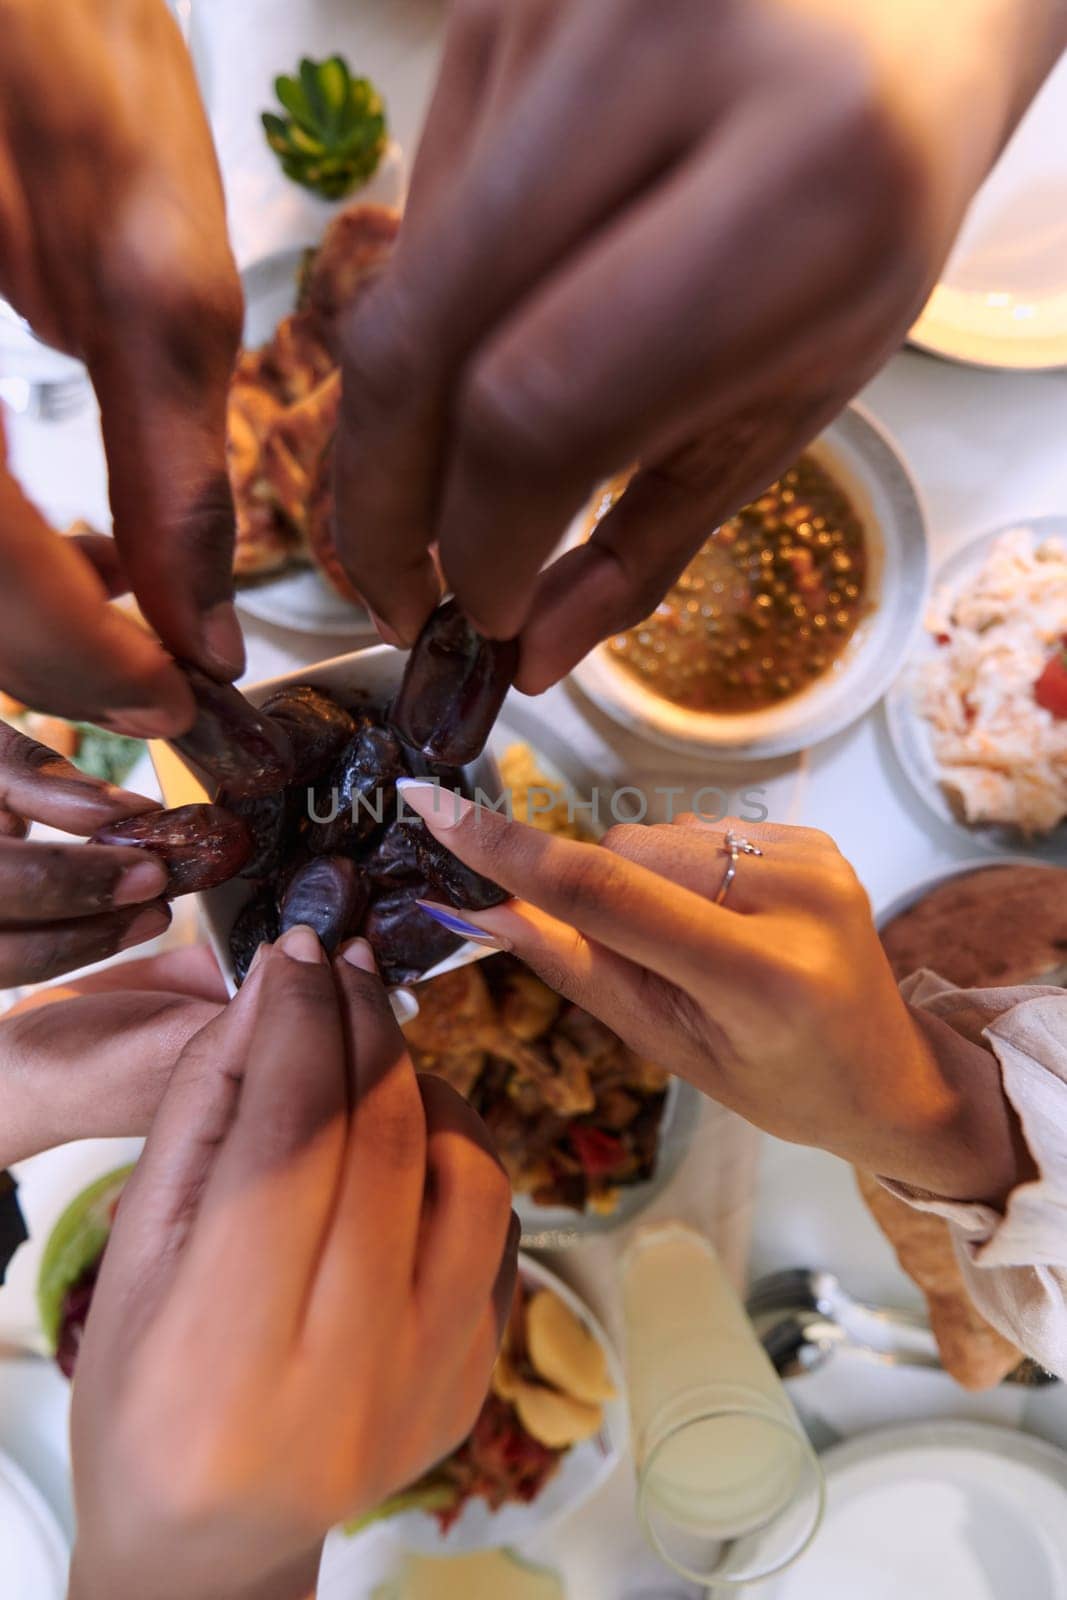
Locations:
{"points": [[574, 1114], [765, 608]]}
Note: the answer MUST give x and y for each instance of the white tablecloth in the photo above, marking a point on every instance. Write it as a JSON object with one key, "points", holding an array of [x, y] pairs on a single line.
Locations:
{"points": [[984, 447]]}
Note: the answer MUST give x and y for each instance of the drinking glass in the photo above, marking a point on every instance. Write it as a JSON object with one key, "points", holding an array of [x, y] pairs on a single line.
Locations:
{"points": [[729, 1488]]}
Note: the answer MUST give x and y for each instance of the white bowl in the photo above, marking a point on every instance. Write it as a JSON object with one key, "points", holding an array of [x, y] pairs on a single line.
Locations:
{"points": [[867, 464], [581, 1472], [374, 674]]}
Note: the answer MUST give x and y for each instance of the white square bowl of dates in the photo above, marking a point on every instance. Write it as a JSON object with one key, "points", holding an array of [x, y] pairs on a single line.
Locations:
{"points": [[333, 845]]}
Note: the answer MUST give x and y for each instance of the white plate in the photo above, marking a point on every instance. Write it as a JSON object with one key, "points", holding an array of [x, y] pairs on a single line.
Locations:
{"points": [[300, 598], [939, 1511], [909, 731], [868, 465], [581, 1472], [1002, 301], [33, 1553]]}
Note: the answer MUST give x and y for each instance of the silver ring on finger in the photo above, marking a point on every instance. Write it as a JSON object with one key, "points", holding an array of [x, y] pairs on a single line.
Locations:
{"points": [[735, 845]]}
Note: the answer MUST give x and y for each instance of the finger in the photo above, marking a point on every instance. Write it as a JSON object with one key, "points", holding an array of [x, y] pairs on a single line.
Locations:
{"points": [[625, 907], [38, 784], [456, 106], [89, 1066], [46, 950], [162, 1199], [636, 551], [191, 971], [63, 649], [43, 883], [385, 1160], [101, 552], [13, 827], [496, 230], [694, 855], [504, 1287], [279, 1173], [643, 1009], [467, 1216], [161, 371], [569, 391]]}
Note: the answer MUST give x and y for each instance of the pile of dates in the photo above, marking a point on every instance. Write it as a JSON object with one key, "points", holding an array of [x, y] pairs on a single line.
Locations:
{"points": [[308, 808]]}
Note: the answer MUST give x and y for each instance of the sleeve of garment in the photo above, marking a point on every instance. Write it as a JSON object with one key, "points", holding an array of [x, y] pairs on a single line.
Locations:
{"points": [[12, 1226], [1015, 1261]]}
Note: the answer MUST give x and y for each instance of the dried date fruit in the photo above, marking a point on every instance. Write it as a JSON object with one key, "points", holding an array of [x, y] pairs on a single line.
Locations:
{"points": [[257, 923], [200, 846], [317, 727], [406, 943], [408, 853], [360, 794], [243, 751], [395, 859], [454, 685], [329, 894], [267, 816]]}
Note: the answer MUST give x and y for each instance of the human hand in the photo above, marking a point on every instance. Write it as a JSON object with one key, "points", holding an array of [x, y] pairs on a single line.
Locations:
{"points": [[301, 1299], [66, 905], [779, 1003], [92, 1059], [113, 245], [678, 234]]}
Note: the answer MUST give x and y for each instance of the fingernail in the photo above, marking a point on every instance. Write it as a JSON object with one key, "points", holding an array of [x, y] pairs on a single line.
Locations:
{"points": [[302, 944], [441, 807], [388, 634], [358, 953], [146, 881], [223, 639], [140, 722], [456, 924], [153, 921]]}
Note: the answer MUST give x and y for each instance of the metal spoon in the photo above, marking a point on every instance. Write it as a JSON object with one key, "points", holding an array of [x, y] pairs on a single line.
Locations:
{"points": [[804, 1316]]}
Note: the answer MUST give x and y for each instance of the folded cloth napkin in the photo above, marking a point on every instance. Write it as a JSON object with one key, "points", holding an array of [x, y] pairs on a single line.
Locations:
{"points": [[1013, 1262]]}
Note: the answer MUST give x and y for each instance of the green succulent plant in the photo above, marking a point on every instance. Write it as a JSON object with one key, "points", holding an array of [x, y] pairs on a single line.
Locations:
{"points": [[334, 134]]}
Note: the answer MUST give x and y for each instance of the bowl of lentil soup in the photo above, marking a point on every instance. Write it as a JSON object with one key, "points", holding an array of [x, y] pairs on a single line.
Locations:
{"points": [[793, 618]]}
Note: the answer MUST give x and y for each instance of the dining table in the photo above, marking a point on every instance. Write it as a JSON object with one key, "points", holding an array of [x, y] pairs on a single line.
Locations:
{"points": [[984, 448]]}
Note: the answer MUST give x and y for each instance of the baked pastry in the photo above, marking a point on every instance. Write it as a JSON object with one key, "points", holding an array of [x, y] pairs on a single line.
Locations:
{"points": [[989, 928], [975, 1354]]}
